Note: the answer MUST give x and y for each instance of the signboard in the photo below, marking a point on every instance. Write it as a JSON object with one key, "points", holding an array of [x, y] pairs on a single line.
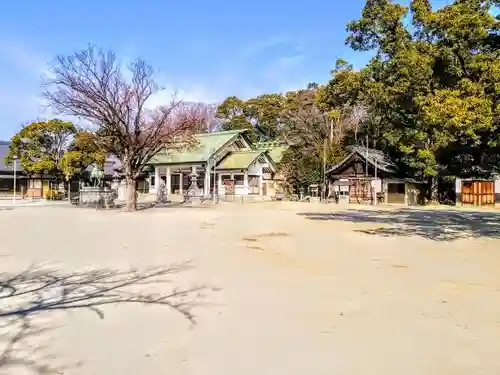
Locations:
{"points": [[229, 187], [377, 185]]}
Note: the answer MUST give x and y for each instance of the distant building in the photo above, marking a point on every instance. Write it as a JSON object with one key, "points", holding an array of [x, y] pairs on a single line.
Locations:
{"points": [[7, 172], [222, 160], [367, 173]]}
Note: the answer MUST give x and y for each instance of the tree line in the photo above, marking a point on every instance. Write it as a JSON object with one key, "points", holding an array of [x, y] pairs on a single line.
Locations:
{"points": [[429, 98]]}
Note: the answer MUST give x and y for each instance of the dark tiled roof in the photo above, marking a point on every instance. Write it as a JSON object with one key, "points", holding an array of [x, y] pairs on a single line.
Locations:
{"points": [[4, 150], [374, 157], [377, 157]]}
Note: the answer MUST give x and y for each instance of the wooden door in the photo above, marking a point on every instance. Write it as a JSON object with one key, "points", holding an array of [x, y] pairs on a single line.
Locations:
{"points": [[478, 192], [360, 191]]}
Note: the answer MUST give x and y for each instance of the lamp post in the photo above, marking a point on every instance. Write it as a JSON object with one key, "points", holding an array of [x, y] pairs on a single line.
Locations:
{"points": [[215, 182], [15, 178], [210, 186]]}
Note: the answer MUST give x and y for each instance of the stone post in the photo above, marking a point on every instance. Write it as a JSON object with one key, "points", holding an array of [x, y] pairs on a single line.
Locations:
{"points": [[458, 191], [157, 177], [168, 187], [206, 189], [245, 182]]}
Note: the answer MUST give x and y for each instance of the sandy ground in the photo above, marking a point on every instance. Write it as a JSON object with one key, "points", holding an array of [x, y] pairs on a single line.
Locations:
{"points": [[287, 288]]}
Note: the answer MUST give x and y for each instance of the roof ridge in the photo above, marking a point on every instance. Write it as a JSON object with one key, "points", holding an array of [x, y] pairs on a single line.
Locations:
{"points": [[234, 131], [247, 151]]}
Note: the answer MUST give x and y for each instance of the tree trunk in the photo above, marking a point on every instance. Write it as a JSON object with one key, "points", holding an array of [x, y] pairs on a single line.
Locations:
{"points": [[131, 194], [434, 190]]}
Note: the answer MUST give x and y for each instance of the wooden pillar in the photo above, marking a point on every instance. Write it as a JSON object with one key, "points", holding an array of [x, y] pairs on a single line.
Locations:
{"points": [[181, 179], [261, 180], [406, 193], [219, 182], [496, 191]]}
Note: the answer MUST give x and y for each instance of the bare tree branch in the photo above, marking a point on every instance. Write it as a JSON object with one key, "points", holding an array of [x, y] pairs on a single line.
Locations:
{"points": [[36, 291], [90, 85]]}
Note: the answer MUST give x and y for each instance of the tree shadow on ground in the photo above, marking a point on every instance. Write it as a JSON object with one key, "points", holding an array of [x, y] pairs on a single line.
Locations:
{"points": [[141, 206], [38, 291], [445, 225]]}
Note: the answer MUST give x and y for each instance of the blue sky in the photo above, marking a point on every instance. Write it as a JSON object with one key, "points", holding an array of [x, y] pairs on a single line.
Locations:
{"points": [[203, 50]]}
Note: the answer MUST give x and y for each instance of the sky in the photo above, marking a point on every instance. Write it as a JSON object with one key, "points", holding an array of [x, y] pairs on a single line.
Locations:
{"points": [[202, 50]]}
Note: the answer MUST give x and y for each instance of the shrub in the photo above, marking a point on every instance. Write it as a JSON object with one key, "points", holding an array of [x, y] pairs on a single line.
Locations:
{"points": [[54, 195]]}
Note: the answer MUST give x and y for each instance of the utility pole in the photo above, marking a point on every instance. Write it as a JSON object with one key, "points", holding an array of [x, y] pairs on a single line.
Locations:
{"points": [[15, 178], [376, 184], [215, 181], [325, 148], [366, 161], [323, 191]]}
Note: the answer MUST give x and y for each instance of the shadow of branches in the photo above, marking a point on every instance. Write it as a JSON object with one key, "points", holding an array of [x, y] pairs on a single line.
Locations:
{"points": [[444, 225], [24, 345], [39, 290]]}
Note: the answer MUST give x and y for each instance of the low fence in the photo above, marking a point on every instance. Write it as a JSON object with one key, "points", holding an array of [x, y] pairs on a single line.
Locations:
{"points": [[226, 198]]}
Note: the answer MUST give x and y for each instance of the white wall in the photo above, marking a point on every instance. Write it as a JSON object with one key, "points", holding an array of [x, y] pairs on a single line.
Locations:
{"points": [[458, 185]]}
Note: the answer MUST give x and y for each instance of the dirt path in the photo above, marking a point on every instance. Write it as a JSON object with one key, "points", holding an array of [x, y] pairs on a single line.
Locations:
{"points": [[300, 294]]}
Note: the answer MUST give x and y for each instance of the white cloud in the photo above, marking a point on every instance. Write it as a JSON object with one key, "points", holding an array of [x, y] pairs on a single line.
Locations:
{"points": [[279, 70], [260, 45]]}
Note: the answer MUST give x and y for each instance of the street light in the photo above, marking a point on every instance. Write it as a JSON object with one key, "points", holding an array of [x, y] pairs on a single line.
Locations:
{"points": [[15, 179], [215, 180]]}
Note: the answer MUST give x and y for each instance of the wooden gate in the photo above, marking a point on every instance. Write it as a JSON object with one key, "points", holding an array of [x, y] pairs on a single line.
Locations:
{"points": [[360, 191], [478, 192]]}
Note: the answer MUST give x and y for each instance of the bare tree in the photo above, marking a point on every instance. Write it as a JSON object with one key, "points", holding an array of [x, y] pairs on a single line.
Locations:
{"points": [[306, 127], [91, 85], [357, 115], [205, 112]]}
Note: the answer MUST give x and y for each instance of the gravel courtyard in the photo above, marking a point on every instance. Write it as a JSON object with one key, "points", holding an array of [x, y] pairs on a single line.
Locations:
{"points": [[274, 288]]}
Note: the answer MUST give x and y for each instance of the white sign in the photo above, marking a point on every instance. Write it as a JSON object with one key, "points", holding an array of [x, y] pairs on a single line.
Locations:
{"points": [[377, 185]]}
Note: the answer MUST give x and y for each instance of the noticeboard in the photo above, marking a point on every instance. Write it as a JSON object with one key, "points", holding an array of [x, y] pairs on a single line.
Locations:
{"points": [[229, 187]]}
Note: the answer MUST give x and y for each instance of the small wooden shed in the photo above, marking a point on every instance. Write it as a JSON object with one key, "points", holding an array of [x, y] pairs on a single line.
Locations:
{"points": [[368, 173], [477, 192]]}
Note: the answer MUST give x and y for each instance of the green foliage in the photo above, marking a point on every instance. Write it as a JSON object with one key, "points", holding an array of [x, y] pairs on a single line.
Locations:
{"points": [[54, 195], [294, 118], [233, 113], [85, 151], [40, 146], [432, 91], [300, 169], [55, 146], [429, 97], [262, 115]]}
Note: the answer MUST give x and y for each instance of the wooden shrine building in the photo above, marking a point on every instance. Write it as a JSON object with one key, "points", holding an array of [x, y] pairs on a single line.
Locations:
{"points": [[366, 174]]}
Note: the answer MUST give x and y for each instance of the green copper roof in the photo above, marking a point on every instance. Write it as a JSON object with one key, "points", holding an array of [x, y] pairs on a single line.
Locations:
{"points": [[274, 148], [277, 154], [207, 144], [239, 160]]}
